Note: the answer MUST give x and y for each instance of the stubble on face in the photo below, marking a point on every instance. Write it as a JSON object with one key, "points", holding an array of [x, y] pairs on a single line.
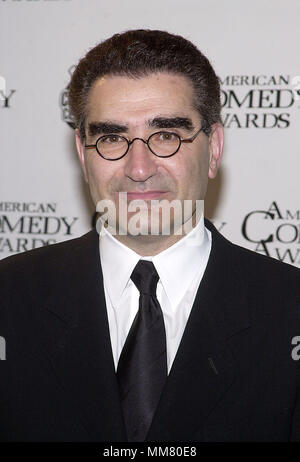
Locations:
{"points": [[133, 103]]}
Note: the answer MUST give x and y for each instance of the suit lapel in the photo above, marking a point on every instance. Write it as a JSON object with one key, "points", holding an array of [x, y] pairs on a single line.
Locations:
{"points": [[77, 341], [204, 369]]}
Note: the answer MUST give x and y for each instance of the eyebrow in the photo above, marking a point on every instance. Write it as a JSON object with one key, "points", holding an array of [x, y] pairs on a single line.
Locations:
{"points": [[106, 127], [172, 122], [99, 128]]}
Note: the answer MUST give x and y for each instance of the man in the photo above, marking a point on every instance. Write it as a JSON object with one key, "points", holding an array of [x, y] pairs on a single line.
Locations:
{"points": [[139, 335]]}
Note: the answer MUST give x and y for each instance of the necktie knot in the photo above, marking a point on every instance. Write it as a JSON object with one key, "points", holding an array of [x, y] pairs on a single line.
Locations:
{"points": [[145, 277]]}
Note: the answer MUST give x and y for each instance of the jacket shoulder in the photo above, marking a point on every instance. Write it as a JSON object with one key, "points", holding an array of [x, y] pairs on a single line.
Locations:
{"points": [[255, 268], [40, 270], [44, 255], [264, 263]]}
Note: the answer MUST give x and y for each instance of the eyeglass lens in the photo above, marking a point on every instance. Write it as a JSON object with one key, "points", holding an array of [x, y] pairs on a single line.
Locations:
{"points": [[161, 144]]}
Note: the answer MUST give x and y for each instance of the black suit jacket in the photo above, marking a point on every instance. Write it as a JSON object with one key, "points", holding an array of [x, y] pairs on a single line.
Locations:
{"points": [[233, 378]]}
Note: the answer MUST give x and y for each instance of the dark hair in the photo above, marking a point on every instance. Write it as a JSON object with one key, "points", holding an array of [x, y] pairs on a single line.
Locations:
{"points": [[138, 53]]}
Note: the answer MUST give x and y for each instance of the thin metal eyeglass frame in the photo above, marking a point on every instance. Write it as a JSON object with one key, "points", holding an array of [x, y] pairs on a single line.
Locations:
{"points": [[129, 143]]}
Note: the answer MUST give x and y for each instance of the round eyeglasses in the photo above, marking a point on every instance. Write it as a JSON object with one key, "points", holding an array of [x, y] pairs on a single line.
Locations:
{"points": [[161, 144]]}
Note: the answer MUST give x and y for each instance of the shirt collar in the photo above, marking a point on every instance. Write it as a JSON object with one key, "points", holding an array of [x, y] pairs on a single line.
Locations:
{"points": [[177, 266], [118, 262]]}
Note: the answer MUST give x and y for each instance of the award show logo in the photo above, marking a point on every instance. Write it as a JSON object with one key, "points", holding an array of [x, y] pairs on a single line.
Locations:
{"points": [[5, 95], [28, 225], [64, 103], [274, 232], [259, 101]]}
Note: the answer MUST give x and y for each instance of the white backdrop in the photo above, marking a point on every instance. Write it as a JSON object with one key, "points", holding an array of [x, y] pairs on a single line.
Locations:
{"points": [[254, 47]]}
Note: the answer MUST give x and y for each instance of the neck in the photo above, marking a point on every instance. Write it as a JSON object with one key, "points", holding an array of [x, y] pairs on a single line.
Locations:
{"points": [[151, 245]]}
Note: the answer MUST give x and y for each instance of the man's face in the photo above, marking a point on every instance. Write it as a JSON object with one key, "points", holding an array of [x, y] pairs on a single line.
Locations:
{"points": [[138, 108]]}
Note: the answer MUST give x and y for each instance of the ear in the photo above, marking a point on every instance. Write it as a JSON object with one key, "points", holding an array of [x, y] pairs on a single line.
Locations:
{"points": [[81, 153], [216, 141]]}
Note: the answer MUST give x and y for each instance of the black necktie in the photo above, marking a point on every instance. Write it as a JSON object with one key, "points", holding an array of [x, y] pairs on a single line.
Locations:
{"points": [[142, 367]]}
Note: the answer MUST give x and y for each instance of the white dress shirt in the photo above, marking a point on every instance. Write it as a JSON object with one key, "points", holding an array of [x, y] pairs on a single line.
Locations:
{"points": [[180, 269]]}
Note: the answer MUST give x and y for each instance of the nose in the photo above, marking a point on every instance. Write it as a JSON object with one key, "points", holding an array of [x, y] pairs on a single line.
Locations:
{"points": [[141, 164]]}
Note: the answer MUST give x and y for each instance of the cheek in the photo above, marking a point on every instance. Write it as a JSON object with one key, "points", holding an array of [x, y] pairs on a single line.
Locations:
{"points": [[98, 174], [186, 172], [194, 176]]}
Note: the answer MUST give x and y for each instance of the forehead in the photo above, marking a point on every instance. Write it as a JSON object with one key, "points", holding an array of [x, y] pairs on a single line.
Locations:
{"points": [[136, 100]]}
